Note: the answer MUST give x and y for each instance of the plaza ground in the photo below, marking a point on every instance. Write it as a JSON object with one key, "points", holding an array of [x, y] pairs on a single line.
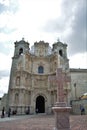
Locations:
{"points": [[40, 122]]}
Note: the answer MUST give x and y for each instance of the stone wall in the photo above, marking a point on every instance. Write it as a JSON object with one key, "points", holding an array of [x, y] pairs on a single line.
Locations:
{"points": [[76, 106], [0, 104], [78, 83]]}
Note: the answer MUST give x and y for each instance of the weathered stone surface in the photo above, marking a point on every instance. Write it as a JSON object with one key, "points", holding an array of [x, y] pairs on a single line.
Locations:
{"points": [[45, 122], [28, 84]]}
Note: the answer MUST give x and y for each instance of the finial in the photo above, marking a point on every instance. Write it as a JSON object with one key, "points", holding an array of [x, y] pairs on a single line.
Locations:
{"points": [[23, 39], [58, 40]]}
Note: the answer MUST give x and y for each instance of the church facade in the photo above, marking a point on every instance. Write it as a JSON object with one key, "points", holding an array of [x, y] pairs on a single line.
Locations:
{"points": [[30, 90]]}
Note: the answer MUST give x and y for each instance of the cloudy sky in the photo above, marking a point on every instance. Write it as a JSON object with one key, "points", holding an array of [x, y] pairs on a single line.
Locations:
{"points": [[46, 20]]}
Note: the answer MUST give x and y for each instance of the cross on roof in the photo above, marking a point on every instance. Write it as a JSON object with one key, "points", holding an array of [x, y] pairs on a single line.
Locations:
{"points": [[60, 78]]}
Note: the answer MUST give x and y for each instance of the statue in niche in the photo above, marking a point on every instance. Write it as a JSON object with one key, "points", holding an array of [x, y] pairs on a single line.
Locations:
{"points": [[18, 80]]}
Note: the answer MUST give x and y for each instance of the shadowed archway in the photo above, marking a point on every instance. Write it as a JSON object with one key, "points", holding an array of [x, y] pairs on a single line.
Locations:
{"points": [[40, 104]]}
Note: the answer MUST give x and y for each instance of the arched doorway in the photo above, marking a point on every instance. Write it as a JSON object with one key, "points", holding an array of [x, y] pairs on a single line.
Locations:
{"points": [[40, 104]]}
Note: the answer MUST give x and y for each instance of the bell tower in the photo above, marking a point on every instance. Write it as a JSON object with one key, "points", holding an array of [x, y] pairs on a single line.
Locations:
{"points": [[21, 47], [60, 49], [17, 88]]}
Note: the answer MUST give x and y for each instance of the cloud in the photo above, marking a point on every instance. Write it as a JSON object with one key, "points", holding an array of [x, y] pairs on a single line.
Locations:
{"points": [[4, 73], [42, 20], [2, 8], [1, 92], [61, 22], [9, 5], [75, 60], [3, 85], [71, 25], [7, 30], [78, 36], [6, 49], [5, 65], [5, 61], [8, 23]]}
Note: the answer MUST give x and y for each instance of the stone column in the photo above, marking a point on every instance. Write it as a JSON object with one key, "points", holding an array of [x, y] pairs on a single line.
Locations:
{"points": [[60, 108], [61, 112]]}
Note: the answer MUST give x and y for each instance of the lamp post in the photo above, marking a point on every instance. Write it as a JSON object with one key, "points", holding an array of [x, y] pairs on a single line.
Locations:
{"points": [[75, 91]]}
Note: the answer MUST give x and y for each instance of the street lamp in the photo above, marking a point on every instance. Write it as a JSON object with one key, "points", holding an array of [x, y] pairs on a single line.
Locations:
{"points": [[75, 91]]}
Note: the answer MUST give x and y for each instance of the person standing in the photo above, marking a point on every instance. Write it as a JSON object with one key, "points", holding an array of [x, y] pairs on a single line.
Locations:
{"points": [[3, 113], [82, 109], [9, 112]]}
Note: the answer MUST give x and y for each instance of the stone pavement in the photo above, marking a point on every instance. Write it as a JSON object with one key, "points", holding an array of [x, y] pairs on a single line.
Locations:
{"points": [[40, 122]]}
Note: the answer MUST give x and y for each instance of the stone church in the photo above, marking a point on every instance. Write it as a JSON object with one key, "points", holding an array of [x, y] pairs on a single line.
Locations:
{"points": [[30, 89]]}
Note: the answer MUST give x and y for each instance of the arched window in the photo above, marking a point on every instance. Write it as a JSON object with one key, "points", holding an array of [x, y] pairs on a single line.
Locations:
{"points": [[40, 69], [20, 51], [60, 52]]}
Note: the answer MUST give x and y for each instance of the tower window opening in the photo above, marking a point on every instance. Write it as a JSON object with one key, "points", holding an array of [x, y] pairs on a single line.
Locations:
{"points": [[40, 69], [60, 52], [20, 51]]}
